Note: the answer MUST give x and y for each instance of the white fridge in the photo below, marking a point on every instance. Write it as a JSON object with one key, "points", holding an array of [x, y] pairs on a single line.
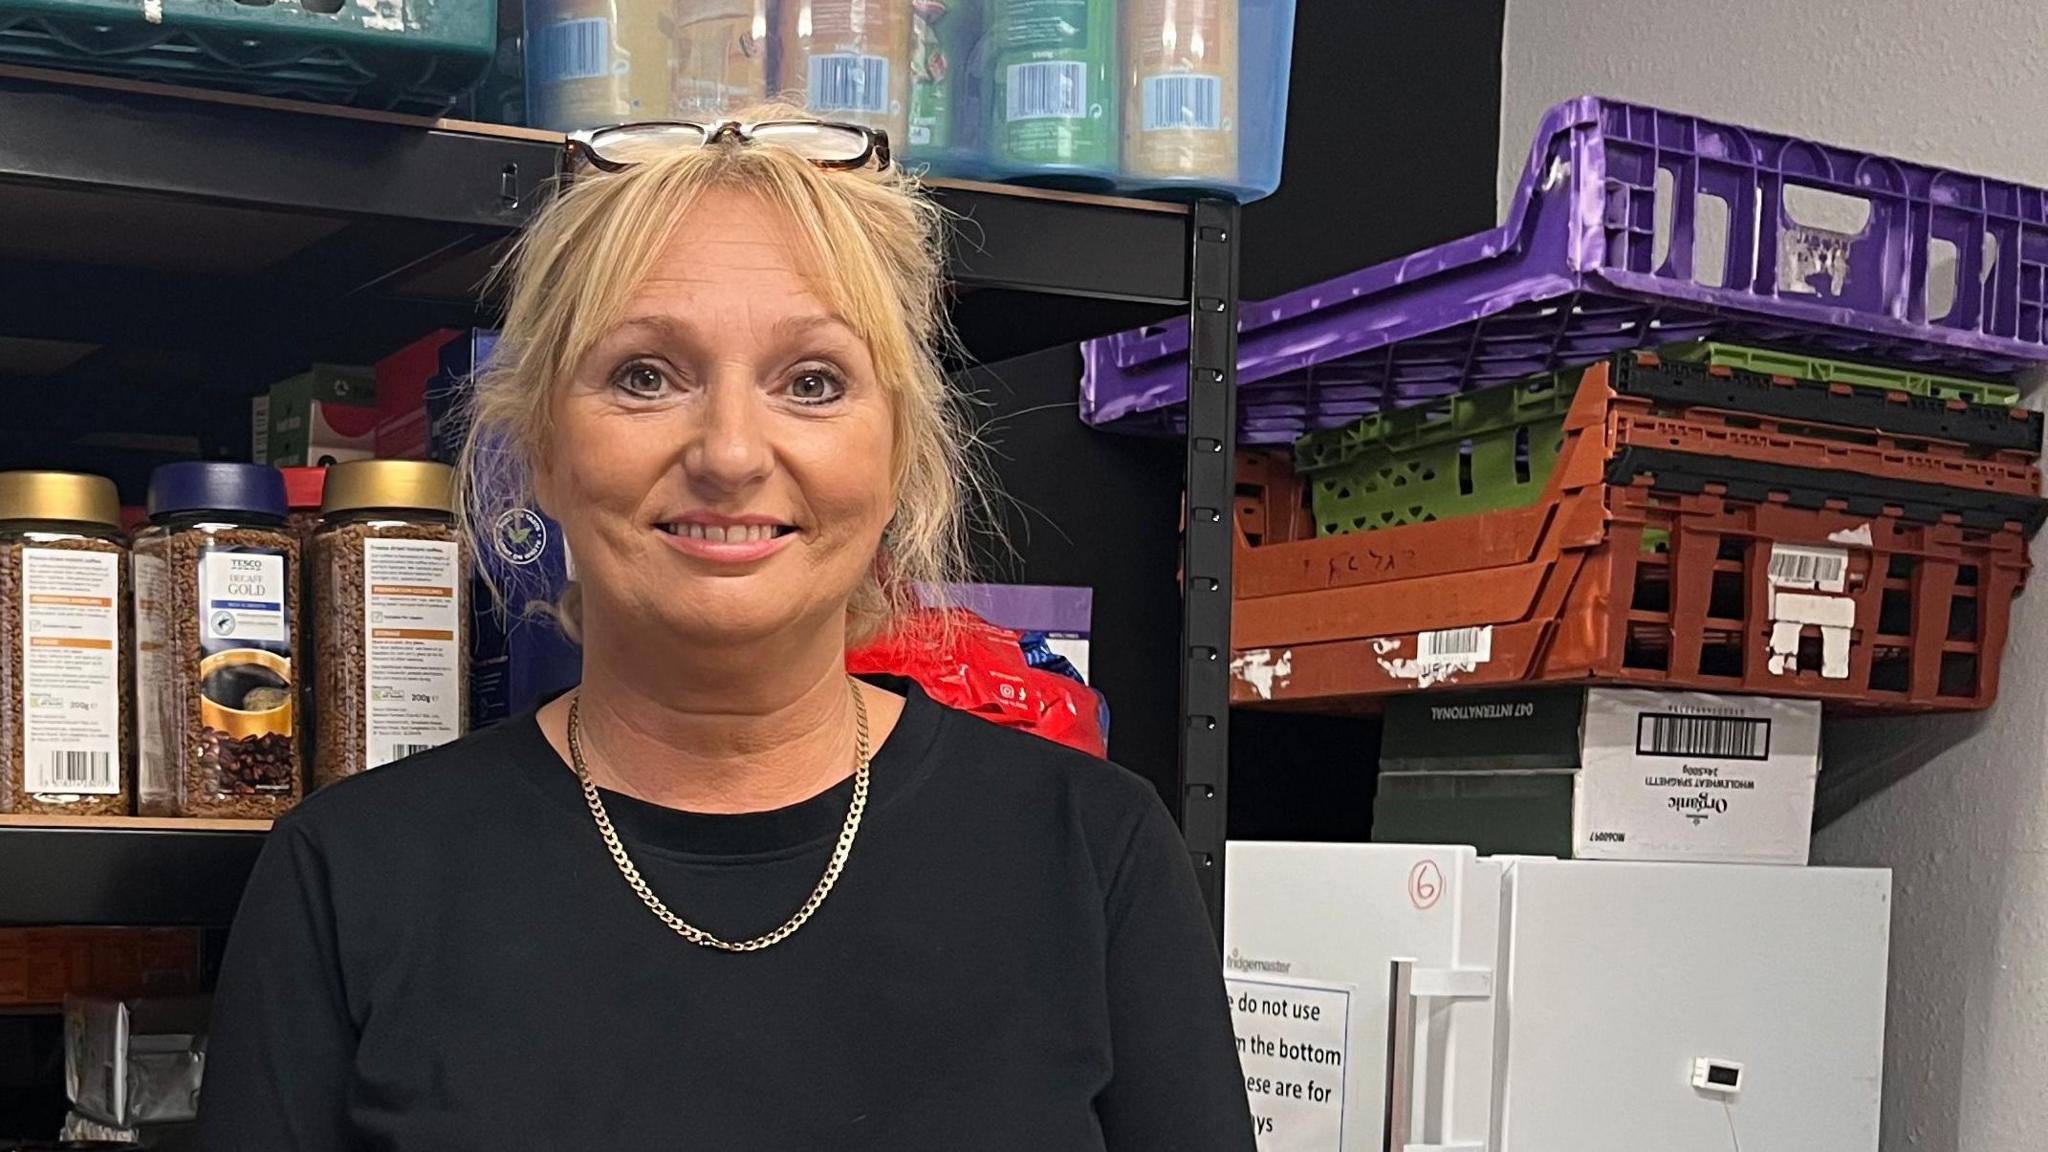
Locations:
{"points": [[1418, 998]]}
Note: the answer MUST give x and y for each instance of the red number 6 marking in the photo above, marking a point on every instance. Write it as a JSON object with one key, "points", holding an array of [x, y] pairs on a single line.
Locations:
{"points": [[1425, 885]]}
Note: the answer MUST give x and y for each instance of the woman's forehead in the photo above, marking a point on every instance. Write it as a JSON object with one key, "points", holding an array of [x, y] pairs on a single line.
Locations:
{"points": [[731, 248]]}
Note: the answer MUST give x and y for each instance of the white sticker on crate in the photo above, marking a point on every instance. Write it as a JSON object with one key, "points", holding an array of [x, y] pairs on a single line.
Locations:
{"points": [[1794, 612], [1259, 670], [1814, 569], [1440, 656]]}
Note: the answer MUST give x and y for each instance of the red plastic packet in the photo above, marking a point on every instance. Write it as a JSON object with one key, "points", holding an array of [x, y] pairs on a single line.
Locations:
{"points": [[980, 669]]}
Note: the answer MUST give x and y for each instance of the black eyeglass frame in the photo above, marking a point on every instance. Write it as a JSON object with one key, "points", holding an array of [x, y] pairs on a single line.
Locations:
{"points": [[584, 144]]}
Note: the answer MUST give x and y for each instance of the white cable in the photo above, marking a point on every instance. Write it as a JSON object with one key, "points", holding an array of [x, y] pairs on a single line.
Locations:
{"points": [[1729, 1111]]}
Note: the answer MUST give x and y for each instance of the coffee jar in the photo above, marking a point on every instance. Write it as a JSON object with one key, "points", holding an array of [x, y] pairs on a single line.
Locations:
{"points": [[64, 646], [390, 593], [218, 631]]}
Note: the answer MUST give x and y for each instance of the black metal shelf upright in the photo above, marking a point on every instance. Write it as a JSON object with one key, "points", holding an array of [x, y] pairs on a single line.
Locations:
{"points": [[162, 233]]}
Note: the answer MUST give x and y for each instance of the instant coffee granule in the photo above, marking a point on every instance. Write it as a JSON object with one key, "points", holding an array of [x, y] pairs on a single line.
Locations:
{"points": [[390, 594], [213, 772], [14, 794]]}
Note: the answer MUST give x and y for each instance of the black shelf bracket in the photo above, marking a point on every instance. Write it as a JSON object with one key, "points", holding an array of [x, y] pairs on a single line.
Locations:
{"points": [[1206, 541]]}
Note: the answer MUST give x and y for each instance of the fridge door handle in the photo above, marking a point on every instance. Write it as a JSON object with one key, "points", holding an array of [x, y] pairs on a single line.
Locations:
{"points": [[1409, 983]]}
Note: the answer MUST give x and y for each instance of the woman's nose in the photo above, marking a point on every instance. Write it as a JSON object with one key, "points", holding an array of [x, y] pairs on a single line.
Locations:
{"points": [[729, 448]]}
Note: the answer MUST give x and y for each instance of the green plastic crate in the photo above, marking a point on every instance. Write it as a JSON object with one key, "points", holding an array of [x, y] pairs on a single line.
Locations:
{"points": [[1477, 452], [398, 55], [1799, 365]]}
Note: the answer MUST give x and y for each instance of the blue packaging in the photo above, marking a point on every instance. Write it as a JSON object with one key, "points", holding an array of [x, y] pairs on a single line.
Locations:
{"points": [[518, 654]]}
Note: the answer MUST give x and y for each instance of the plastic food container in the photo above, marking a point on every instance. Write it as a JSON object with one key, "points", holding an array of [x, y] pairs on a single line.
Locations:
{"points": [[390, 593], [1153, 97], [411, 56], [64, 650], [218, 638]]}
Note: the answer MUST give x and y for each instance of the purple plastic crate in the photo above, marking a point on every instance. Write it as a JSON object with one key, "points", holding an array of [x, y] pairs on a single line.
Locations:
{"points": [[1633, 227]]}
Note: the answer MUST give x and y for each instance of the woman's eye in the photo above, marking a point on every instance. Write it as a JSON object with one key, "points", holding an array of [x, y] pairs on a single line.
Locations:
{"points": [[641, 379], [814, 387]]}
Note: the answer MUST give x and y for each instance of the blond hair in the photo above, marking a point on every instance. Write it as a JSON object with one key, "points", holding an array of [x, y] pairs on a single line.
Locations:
{"points": [[872, 247]]}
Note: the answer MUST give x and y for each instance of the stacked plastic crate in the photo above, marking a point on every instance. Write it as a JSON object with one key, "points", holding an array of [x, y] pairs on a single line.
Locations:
{"points": [[1715, 409]]}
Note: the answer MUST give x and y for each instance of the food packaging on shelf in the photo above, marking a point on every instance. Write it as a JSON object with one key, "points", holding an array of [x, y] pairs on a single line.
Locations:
{"points": [[519, 654], [1128, 96], [849, 58], [135, 1061], [1611, 774], [324, 415], [391, 594], [219, 636], [65, 735], [1061, 616], [402, 377], [590, 64], [964, 662], [416, 58]]}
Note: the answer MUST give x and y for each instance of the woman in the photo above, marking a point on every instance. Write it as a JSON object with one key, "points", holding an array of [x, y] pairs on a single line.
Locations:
{"points": [[721, 895]]}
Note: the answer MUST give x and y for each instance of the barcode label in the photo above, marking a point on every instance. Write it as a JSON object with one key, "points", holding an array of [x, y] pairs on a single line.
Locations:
{"points": [[573, 50], [1718, 737], [1181, 101], [1822, 569], [1047, 90], [401, 751], [75, 772], [1460, 645], [845, 82]]}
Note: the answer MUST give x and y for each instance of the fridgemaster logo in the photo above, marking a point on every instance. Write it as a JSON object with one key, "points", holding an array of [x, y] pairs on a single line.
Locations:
{"points": [[1239, 962], [522, 537]]}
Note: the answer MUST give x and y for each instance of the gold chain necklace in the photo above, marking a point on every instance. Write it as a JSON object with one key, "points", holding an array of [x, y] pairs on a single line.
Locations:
{"points": [[677, 924]]}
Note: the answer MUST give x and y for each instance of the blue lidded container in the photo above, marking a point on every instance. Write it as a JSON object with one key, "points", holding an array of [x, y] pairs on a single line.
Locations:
{"points": [[220, 714], [211, 489]]}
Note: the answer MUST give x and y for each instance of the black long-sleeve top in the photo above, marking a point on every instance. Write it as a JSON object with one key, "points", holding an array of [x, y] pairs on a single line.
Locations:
{"points": [[440, 955]]}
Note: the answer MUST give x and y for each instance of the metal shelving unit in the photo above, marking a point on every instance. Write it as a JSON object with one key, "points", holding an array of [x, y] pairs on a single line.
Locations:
{"points": [[158, 233]]}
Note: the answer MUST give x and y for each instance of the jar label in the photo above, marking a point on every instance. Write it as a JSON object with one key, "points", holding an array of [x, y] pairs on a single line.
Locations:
{"points": [[247, 686], [152, 591], [71, 671], [412, 648], [241, 597]]}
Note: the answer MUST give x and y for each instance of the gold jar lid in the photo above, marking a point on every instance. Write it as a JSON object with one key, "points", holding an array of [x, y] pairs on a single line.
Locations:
{"points": [[398, 484], [68, 496]]}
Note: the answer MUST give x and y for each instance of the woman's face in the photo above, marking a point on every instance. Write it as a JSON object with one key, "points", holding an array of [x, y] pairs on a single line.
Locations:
{"points": [[721, 460]]}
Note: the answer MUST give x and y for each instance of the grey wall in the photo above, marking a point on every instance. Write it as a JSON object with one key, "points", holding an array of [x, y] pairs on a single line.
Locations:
{"points": [[1957, 806], [1958, 83]]}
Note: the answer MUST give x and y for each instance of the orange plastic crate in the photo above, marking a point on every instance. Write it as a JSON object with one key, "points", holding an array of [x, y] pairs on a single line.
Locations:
{"points": [[1598, 583]]}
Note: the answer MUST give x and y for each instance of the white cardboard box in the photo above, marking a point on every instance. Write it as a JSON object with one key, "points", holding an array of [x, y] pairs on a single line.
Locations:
{"points": [[1695, 776]]}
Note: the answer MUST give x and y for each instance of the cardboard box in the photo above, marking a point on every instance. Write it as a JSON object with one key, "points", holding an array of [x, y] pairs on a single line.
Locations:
{"points": [[402, 380], [135, 1061], [325, 415], [1602, 773]]}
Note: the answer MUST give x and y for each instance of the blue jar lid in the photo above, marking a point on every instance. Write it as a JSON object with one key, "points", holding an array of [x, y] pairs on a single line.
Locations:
{"points": [[216, 486]]}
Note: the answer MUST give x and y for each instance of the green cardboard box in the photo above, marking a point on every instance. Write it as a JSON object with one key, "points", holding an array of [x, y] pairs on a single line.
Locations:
{"points": [[325, 415]]}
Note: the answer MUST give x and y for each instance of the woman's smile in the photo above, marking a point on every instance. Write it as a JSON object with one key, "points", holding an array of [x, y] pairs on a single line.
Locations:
{"points": [[727, 539]]}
